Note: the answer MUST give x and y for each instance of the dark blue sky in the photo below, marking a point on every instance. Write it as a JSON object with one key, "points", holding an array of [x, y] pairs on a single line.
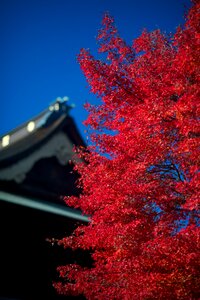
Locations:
{"points": [[40, 40]]}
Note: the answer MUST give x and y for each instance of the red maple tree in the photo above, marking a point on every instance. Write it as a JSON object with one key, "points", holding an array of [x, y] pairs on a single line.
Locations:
{"points": [[140, 183]]}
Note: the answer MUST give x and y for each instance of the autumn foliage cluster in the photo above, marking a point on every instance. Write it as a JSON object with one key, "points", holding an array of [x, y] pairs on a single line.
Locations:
{"points": [[140, 180]]}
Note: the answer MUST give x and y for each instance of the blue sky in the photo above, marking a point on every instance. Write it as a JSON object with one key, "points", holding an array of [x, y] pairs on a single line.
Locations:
{"points": [[40, 41]]}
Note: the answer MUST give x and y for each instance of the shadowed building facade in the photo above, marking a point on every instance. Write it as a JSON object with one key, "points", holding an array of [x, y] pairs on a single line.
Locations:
{"points": [[35, 175]]}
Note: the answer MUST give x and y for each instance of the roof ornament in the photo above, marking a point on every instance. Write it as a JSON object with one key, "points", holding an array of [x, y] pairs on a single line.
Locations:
{"points": [[60, 104], [5, 140]]}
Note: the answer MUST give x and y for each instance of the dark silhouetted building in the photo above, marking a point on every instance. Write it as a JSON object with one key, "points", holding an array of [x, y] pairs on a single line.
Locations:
{"points": [[35, 175]]}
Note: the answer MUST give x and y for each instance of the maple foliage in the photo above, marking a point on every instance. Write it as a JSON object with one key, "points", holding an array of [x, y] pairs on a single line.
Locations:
{"points": [[140, 182]]}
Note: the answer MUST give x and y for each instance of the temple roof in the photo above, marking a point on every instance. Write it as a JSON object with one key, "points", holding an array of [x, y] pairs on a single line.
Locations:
{"points": [[36, 131], [34, 159]]}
